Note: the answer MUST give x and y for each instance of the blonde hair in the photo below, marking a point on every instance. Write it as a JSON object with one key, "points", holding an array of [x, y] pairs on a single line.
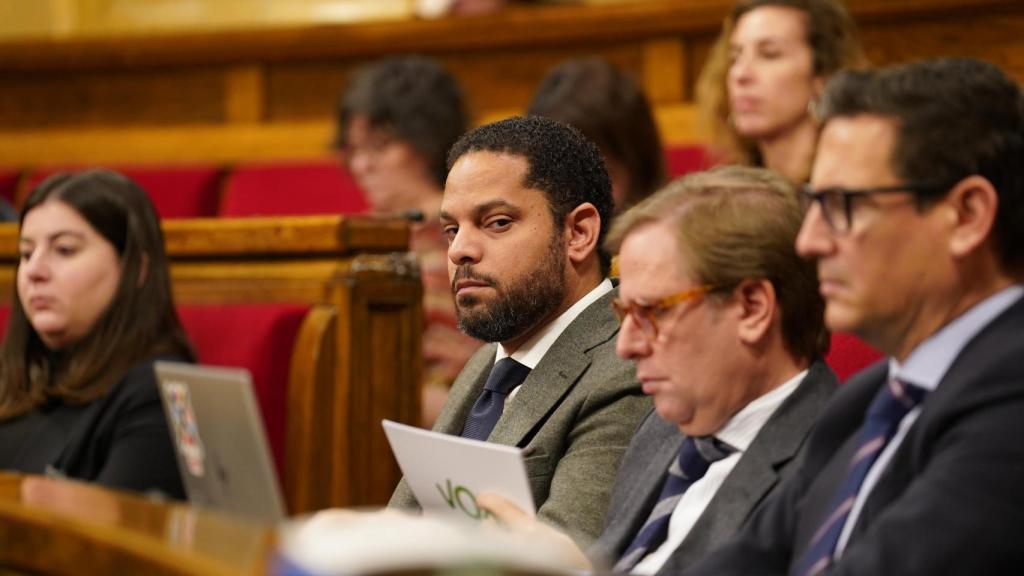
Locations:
{"points": [[736, 223], [832, 36]]}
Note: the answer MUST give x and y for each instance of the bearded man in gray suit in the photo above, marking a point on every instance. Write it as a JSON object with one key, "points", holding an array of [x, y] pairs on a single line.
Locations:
{"points": [[526, 206], [725, 325]]}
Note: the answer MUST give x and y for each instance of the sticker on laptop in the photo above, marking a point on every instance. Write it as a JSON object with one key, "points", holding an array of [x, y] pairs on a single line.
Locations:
{"points": [[183, 420]]}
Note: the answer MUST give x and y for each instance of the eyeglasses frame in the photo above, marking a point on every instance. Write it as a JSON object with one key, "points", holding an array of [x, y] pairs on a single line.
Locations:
{"points": [[658, 307], [811, 196]]}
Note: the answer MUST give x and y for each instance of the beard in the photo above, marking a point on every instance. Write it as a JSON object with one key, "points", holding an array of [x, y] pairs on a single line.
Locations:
{"points": [[519, 305]]}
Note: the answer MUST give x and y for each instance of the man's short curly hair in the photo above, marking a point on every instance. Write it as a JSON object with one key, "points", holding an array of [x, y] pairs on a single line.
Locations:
{"points": [[412, 96], [562, 164]]}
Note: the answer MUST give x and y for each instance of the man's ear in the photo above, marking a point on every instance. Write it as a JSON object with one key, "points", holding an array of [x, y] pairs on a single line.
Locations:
{"points": [[756, 301], [972, 205], [582, 229]]}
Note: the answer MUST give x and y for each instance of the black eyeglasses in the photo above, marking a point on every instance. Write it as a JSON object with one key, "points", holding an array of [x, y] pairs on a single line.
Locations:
{"points": [[837, 202]]}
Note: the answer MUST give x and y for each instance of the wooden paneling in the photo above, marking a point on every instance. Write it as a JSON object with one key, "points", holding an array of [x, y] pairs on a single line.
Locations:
{"points": [[995, 37], [111, 98], [258, 94]]}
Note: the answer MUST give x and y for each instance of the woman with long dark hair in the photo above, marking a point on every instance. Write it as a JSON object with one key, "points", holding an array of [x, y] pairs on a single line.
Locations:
{"points": [[92, 311]]}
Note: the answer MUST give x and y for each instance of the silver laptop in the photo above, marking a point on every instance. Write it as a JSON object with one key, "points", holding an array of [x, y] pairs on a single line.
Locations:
{"points": [[222, 448]]}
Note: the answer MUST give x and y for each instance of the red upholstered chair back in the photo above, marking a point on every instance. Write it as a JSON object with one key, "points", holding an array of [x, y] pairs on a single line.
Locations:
{"points": [[681, 160], [260, 338], [5, 315], [291, 189], [9, 184], [176, 191], [849, 355]]}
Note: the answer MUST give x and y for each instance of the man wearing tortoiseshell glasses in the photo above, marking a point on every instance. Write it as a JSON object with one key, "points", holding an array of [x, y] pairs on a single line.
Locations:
{"points": [[724, 323]]}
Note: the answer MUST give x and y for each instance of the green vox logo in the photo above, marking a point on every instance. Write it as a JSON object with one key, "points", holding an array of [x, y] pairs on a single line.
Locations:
{"points": [[461, 498]]}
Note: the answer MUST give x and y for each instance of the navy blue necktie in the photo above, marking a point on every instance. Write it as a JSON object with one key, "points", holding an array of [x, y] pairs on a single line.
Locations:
{"points": [[505, 376], [891, 404], [695, 457]]}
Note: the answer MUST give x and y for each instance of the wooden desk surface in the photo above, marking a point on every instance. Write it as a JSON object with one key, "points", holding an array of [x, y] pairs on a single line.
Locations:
{"points": [[52, 526]]}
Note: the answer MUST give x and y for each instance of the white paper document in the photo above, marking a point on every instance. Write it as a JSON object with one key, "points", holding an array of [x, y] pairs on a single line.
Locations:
{"points": [[445, 472]]}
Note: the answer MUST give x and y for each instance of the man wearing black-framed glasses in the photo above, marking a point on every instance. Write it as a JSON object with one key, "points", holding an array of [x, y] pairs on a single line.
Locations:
{"points": [[916, 221]]}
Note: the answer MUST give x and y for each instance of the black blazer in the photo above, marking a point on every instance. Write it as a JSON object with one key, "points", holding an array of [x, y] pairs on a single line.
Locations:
{"points": [[120, 440], [772, 456], [951, 500]]}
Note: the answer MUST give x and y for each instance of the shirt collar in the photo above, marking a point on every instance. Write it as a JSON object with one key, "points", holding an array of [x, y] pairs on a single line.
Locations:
{"points": [[742, 428], [531, 352], [928, 363]]}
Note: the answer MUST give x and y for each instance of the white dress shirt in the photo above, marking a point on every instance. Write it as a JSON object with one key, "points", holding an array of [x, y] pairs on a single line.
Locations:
{"points": [[739, 432], [925, 367], [534, 349]]}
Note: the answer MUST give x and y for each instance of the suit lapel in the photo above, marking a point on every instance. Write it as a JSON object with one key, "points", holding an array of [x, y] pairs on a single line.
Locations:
{"points": [[557, 372], [757, 472], [657, 444]]}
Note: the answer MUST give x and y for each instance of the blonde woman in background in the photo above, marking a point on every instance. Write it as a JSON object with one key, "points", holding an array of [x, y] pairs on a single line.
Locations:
{"points": [[758, 89]]}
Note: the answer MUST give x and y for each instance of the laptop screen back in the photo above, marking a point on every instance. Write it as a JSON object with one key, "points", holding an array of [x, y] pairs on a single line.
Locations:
{"points": [[222, 449]]}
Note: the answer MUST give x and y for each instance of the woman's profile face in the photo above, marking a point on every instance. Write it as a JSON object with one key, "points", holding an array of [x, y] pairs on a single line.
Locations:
{"points": [[771, 73], [67, 273]]}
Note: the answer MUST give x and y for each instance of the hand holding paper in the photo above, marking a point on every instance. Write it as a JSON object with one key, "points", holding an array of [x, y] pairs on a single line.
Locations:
{"points": [[517, 520]]}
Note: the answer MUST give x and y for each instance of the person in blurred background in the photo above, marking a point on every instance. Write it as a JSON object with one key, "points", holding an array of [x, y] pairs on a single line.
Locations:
{"points": [[610, 108], [758, 90], [78, 395], [395, 123]]}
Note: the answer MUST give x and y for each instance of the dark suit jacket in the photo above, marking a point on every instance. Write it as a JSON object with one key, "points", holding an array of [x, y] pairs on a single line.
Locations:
{"points": [[771, 456], [574, 415], [951, 501], [120, 440]]}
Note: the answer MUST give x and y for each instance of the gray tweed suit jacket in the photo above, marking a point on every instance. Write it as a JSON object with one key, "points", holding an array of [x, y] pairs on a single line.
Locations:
{"points": [[574, 416], [768, 459]]}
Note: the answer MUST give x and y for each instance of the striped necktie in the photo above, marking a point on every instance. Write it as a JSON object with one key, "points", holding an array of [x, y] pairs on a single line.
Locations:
{"points": [[891, 404], [695, 457], [504, 377]]}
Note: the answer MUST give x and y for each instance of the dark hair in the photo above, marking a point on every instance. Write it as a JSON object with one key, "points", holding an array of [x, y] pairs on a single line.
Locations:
{"points": [[610, 108], [412, 96], [736, 223], [831, 35], [956, 118], [139, 323], [563, 164]]}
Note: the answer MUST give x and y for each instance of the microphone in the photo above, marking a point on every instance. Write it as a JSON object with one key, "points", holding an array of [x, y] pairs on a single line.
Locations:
{"points": [[412, 215]]}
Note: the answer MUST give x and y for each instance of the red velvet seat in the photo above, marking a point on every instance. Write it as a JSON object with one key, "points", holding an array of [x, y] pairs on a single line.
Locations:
{"points": [[292, 189], [681, 160], [5, 315], [9, 184], [176, 191], [849, 355], [258, 337]]}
